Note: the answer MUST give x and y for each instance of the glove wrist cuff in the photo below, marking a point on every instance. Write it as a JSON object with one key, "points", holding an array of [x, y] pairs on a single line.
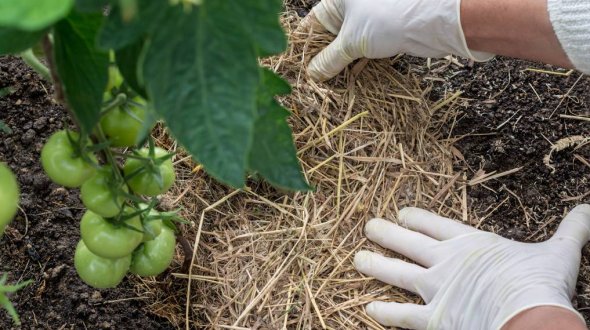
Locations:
{"points": [[528, 307]]}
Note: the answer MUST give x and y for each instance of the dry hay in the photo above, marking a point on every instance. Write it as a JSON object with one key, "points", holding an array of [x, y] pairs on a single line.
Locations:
{"points": [[369, 142]]}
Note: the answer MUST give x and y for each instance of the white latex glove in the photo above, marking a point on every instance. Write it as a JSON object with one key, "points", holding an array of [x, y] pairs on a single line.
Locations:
{"points": [[384, 28], [471, 280]]}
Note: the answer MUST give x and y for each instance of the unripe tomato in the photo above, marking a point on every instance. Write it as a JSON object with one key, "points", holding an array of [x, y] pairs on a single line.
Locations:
{"points": [[153, 257], [146, 182], [99, 272], [108, 240], [97, 194], [61, 163], [9, 195], [123, 126]]}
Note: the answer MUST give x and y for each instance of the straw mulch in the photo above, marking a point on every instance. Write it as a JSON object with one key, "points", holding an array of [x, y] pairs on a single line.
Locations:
{"points": [[369, 142]]}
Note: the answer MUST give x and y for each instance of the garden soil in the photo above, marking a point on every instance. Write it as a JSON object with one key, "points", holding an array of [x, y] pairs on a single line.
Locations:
{"points": [[510, 115]]}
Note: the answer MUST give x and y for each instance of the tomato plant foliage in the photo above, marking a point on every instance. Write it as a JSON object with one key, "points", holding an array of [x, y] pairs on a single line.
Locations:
{"points": [[196, 62]]}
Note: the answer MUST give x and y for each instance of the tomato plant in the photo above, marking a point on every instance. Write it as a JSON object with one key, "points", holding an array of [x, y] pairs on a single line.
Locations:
{"points": [[97, 271], [154, 256], [150, 175], [110, 239], [64, 160], [9, 196], [171, 62]]}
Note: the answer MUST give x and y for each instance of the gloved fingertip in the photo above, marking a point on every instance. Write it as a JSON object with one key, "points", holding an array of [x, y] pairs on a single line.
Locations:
{"points": [[371, 309], [576, 225], [407, 212], [375, 228], [363, 261], [316, 71], [329, 14], [310, 22]]}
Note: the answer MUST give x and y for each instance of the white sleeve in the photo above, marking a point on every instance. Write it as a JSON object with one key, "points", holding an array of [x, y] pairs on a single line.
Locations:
{"points": [[571, 23]]}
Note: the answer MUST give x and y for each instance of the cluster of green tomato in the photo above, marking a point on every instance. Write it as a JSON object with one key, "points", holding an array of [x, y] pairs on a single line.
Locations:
{"points": [[121, 231]]}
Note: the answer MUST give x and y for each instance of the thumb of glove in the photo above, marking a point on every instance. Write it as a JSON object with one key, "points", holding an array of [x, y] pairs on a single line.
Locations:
{"points": [[575, 226], [330, 61]]}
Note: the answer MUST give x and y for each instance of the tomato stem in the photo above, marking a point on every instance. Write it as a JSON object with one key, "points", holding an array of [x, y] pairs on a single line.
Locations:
{"points": [[118, 101], [33, 61], [59, 93]]}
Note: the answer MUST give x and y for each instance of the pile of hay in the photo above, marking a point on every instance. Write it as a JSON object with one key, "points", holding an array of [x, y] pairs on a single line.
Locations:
{"points": [[369, 142]]}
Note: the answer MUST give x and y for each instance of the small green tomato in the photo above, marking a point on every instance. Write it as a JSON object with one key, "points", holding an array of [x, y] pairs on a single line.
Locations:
{"points": [[99, 194], [154, 257], [109, 240], [144, 182], [61, 163], [99, 272]]}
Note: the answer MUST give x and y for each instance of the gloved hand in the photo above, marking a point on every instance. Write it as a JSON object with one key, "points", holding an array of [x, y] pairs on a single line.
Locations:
{"points": [[384, 28], [470, 279]]}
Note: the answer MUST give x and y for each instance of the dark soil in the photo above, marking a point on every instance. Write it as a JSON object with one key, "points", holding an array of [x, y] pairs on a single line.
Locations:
{"points": [[510, 119], [41, 242]]}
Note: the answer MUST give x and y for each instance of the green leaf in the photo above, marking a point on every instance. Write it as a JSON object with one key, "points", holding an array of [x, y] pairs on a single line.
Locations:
{"points": [[201, 71], [129, 61], [16, 287], [274, 156], [14, 41], [260, 20], [272, 85], [7, 305], [91, 5], [117, 32], [82, 68], [5, 302], [30, 15]]}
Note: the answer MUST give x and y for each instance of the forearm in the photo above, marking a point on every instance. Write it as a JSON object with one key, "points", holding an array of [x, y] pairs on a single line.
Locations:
{"points": [[514, 28], [545, 318]]}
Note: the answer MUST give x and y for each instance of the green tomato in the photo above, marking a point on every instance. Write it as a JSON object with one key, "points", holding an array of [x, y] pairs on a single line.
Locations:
{"points": [[61, 164], [8, 196], [123, 126], [99, 272], [97, 194], [146, 182], [108, 240], [153, 257]]}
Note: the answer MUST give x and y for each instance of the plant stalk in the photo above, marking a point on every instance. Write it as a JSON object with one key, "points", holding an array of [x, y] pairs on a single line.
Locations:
{"points": [[33, 61]]}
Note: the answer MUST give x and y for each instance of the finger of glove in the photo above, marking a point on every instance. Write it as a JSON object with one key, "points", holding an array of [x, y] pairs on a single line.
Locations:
{"points": [[391, 271], [330, 61], [310, 24], [576, 225], [411, 244], [407, 316], [330, 13], [432, 224]]}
